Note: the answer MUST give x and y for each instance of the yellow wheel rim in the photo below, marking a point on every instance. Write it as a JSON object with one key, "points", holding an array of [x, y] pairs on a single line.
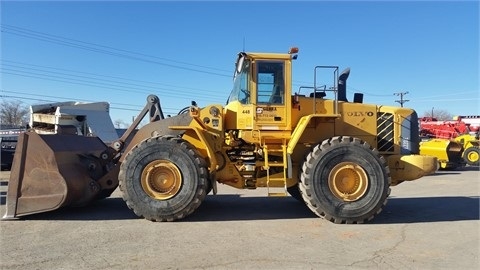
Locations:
{"points": [[161, 179], [348, 181], [472, 156]]}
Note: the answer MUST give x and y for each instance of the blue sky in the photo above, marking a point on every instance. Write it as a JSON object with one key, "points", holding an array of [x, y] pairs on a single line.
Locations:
{"points": [[181, 51]]}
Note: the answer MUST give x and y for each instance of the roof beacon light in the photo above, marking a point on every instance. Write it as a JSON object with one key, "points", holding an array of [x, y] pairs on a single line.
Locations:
{"points": [[293, 50]]}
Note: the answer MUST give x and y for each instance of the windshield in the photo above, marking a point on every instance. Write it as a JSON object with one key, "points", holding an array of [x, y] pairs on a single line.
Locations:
{"points": [[241, 90]]}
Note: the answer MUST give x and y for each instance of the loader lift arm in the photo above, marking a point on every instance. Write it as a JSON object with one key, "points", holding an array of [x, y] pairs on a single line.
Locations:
{"points": [[155, 112]]}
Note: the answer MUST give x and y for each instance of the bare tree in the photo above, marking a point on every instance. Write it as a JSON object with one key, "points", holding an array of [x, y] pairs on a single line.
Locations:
{"points": [[13, 112], [439, 114], [119, 123]]}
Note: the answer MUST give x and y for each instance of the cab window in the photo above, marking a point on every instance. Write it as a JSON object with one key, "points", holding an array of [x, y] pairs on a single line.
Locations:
{"points": [[270, 82]]}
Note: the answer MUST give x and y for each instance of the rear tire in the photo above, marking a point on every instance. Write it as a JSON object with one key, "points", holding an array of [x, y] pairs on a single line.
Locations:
{"points": [[163, 179], [472, 156], [344, 180]]}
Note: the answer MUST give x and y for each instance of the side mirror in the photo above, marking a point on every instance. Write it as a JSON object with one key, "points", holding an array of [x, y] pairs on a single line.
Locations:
{"points": [[239, 64]]}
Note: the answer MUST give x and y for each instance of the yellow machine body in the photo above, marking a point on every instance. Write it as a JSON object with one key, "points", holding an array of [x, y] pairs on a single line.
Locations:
{"points": [[312, 145]]}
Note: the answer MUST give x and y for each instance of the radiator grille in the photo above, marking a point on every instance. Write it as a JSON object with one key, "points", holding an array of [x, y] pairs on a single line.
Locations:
{"points": [[385, 136]]}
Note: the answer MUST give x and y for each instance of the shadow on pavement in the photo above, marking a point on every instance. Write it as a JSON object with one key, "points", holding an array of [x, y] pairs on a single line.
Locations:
{"points": [[235, 208], [429, 209], [455, 171]]}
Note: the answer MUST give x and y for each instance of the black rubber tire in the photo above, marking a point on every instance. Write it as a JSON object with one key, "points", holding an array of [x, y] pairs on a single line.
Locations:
{"points": [[468, 152], [315, 174], [294, 191], [193, 173], [208, 187]]}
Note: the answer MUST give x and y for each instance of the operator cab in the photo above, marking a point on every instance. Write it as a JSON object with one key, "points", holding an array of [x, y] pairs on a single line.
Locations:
{"points": [[270, 83], [261, 94]]}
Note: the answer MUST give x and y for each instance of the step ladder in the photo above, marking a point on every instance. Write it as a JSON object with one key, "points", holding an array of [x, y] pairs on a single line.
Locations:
{"points": [[276, 191]]}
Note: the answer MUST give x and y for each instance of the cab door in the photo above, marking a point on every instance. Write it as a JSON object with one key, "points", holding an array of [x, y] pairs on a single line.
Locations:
{"points": [[272, 101]]}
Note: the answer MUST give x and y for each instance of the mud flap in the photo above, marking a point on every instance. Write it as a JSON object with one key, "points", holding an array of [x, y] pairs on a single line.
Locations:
{"points": [[52, 171]]}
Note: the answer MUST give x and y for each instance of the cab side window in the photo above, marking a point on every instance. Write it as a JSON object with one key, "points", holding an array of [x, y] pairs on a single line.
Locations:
{"points": [[270, 82]]}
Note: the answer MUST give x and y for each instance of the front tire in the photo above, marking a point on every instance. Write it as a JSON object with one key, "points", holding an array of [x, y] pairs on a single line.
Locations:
{"points": [[344, 180], [163, 179], [472, 156]]}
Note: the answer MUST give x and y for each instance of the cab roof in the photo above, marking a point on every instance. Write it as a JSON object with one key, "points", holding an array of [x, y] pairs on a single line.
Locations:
{"points": [[276, 56]]}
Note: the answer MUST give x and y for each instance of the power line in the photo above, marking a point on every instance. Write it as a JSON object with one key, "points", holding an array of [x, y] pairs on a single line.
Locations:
{"points": [[93, 47], [71, 98], [455, 94], [21, 70], [98, 48], [167, 110], [448, 99], [116, 87], [26, 66], [373, 95]]}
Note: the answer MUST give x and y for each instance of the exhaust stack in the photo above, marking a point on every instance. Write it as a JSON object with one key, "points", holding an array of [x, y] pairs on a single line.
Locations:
{"points": [[342, 85]]}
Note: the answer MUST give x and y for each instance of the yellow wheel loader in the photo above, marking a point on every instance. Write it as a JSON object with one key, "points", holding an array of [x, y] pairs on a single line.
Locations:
{"points": [[339, 157], [471, 152]]}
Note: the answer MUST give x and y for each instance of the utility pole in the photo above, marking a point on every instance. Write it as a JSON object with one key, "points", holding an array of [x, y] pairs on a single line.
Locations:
{"points": [[401, 101]]}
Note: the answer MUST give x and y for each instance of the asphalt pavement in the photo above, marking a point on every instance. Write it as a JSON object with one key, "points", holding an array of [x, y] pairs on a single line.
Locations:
{"points": [[430, 223]]}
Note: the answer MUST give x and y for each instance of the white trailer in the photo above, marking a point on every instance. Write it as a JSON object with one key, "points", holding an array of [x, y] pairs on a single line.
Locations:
{"points": [[473, 121], [80, 118]]}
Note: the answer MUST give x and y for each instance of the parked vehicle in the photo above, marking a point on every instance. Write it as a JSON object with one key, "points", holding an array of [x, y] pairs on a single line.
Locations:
{"points": [[8, 142]]}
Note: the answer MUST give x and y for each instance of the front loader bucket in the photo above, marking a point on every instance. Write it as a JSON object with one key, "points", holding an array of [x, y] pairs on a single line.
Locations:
{"points": [[51, 171], [448, 152]]}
